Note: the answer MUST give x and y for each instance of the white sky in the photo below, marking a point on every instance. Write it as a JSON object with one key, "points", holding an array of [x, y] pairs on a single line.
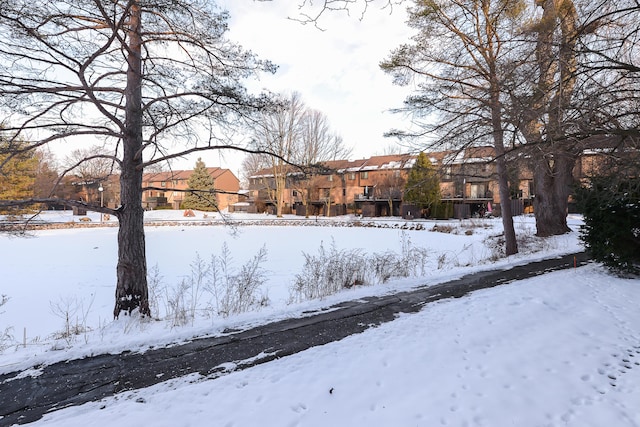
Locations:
{"points": [[335, 70]]}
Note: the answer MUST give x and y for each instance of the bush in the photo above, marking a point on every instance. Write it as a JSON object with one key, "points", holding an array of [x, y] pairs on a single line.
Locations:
{"points": [[237, 291], [213, 287], [333, 270], [328, 272], [611, 231], [74, 313], [5, 336], [443, 210]]}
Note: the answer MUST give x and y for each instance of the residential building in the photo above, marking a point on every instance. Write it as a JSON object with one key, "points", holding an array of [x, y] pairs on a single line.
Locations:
{"points": [[166, 189], [339, 187], [375, 186]]}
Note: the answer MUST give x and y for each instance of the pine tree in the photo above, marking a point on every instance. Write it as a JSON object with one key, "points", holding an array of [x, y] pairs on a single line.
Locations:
{"points": [[423, 185], [202, 197], [17, 173]]}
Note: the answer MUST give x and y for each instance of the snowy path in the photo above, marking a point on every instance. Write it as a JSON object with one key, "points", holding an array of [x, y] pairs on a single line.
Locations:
{"points": [[27, 396]]}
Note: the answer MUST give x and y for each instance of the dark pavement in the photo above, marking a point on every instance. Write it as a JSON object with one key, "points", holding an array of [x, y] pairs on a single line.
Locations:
{"points": [[24, 400]]}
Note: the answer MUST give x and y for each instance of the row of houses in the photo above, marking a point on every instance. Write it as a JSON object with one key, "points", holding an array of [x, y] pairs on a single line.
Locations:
{"points": [[163, 190], [372, 186], [375, 186]]}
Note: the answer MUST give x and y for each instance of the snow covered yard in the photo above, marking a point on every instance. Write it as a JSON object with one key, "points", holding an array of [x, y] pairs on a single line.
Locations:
{"points": [[560, 349]]}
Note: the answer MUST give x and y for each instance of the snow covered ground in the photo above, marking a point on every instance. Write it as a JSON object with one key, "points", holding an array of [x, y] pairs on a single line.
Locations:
{"points": [[562, 349]]}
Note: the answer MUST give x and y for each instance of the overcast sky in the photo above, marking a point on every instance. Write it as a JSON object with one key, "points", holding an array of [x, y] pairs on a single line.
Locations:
{"points": [[335, 70]]}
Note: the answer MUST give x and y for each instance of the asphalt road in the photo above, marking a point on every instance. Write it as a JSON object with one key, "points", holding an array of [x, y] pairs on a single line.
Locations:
{"points": [[27, 399]]}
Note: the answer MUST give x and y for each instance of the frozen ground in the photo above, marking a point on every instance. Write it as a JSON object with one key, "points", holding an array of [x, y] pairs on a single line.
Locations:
{"points": [[561, 349]]}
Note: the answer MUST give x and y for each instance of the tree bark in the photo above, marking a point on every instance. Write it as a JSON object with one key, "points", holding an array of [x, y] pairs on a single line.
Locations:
{"points": [[280, 181], [511, 243], [131, 288], [552, 182]]}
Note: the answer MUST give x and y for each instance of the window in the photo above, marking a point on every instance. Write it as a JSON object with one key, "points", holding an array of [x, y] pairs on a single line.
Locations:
{"points": [[364, 175], [352, 176], [478, 191], [330, 178], [396, 174], [163, 184]]}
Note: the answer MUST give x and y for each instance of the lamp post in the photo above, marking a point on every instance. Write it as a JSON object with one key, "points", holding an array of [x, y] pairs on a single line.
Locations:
{"points": [[101, 190]]}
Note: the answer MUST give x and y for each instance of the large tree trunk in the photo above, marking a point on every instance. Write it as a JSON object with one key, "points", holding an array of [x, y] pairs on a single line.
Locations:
{"points": [[280, 189], [552, 182], [305, 201], [131, 289], [511, 243]]}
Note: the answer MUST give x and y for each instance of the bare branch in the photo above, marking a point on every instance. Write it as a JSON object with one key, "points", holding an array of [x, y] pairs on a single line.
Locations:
{"points": [[311, 12], [53, 200]]}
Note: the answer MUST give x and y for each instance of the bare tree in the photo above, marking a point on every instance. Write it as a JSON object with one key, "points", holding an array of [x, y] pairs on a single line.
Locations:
{"points": [[318, 145], [46, 175], [152, 80], [302, 139], [279, 132], [459, 59], [252, 164], [90, 164], [545, 104]]}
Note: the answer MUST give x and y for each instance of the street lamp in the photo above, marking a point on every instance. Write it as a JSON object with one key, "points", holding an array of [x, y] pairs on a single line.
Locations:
{"points": [[101, 190]]}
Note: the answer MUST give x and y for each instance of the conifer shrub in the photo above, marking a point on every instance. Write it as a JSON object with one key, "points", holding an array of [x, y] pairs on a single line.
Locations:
{"points": [[611, 231]]}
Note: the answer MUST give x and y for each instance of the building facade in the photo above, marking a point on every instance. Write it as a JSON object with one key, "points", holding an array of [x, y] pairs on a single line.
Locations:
{"points": [[375, 186], [167, 189]]}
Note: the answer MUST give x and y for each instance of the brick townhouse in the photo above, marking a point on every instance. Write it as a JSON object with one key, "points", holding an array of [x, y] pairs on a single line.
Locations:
{"points": [[375, 186], [166, 184]]}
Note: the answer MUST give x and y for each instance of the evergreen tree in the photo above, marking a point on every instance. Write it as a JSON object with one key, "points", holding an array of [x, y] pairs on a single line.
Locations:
{"points": [[611, 231], [423, 185], [17, 174], [201, 196]]}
